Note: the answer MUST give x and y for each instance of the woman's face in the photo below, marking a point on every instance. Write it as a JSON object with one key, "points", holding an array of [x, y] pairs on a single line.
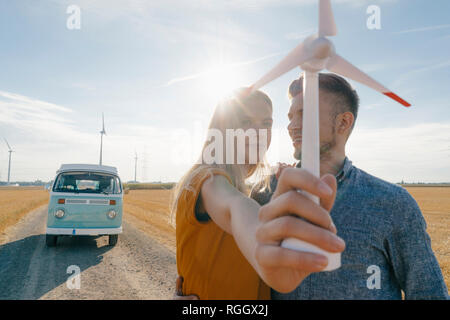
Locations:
{"points": [[257, 115]]}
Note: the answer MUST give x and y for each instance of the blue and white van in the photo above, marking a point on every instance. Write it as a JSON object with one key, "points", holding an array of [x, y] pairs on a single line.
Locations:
{"points": [[85, 199]]}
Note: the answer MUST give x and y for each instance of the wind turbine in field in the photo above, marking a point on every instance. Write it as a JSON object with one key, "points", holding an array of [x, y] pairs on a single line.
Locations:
{"points": [[103, 132], [314, 54], [9, 162]]}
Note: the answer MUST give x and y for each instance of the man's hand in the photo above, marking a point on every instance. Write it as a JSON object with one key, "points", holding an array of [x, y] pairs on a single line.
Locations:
{"points": [[284, 269], [281, 167], [178, 295]]}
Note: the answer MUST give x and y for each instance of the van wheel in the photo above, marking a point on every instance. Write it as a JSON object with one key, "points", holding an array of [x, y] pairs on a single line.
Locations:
{"points": [[50, 240], [113, 239]]}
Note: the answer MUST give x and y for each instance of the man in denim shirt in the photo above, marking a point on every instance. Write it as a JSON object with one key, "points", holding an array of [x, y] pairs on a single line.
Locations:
{"points": [[387, 247]]}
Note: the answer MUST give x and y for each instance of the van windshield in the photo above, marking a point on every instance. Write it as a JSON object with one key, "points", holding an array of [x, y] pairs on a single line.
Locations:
{"points": [[87, 182]]}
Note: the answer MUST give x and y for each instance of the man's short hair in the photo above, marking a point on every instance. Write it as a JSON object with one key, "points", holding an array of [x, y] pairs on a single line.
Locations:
{"points": [[346, 97]]}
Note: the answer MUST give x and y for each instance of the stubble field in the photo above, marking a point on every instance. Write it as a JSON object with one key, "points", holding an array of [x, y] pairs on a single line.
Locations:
{"points": [[16, 202], [435, 205], [149, 210], [152, 207]]}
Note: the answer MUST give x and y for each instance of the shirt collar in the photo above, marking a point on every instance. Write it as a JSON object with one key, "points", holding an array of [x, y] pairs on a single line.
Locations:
{"points": [[343, 173]]}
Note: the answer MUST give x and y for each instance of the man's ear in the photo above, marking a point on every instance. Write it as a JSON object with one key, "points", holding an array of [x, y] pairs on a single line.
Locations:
{"points": [[344, 122]]}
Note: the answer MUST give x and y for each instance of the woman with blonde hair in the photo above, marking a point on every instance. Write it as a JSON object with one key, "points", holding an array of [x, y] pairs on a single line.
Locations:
{"points": [[208, 201]]}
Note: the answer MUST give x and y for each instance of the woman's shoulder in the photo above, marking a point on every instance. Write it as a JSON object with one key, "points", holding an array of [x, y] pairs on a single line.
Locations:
{"points": [[202, 173], [187, 200]]}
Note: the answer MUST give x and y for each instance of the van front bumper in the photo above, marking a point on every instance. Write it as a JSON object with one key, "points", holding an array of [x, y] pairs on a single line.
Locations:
{"points": [[83, 231]]}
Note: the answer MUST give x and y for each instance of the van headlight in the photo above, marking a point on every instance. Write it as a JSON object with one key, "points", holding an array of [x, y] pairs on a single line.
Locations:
{"points": [[59, 213], [111, 214]]}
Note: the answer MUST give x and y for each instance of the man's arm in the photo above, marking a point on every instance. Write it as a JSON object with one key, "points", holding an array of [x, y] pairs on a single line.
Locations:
{"points": [[409, 246], [258, 231]]}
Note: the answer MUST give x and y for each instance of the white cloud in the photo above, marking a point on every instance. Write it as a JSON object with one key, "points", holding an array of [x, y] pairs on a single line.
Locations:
{"points": [[45, 135], [403, 78], [429, 28], [220, 68], [37, 117], [42, 105], [416, 153], [300, 35], [116, 8]]}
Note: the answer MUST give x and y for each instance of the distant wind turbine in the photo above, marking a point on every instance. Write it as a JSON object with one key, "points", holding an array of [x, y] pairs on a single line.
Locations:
{"points": [[9, 163], [103, 132]]}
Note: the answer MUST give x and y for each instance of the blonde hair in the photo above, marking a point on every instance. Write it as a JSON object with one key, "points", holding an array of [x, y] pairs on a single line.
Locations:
{"points": [[227, 115]]}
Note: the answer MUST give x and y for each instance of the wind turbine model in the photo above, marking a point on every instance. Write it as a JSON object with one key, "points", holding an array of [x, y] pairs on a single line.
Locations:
{"points": [[103, 132], [9, 163], [313, 55]]}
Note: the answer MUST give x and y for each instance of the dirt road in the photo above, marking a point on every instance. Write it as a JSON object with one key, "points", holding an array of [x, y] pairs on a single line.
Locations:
{"points": [[138, 267]]}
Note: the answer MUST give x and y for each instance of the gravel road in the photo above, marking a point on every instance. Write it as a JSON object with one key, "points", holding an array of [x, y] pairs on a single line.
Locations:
{"points": [[138, 267]]}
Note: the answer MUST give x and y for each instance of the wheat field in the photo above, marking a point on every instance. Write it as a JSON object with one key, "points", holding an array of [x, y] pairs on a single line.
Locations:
{"points": [[149, 210], [15, 202], [435, 205], [152, 207]]}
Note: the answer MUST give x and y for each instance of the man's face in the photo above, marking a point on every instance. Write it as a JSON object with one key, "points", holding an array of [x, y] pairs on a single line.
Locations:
{"points": [[326, 124]]}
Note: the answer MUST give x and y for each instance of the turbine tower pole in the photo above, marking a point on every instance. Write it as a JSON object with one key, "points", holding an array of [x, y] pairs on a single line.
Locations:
{"points": [[103, 132], [101, 147], [135, 166], [9, 162]]}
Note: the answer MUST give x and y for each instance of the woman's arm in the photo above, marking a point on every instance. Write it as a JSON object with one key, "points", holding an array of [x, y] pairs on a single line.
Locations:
{"points": [[214, 199], [233, 212], [258, 231]]}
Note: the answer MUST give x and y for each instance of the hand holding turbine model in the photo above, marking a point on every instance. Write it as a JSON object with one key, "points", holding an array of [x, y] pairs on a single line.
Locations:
{"points": [[313, 55]]}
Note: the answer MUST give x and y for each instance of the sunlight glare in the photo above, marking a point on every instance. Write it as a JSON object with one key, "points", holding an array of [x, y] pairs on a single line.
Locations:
{"points": [[220, 81]]}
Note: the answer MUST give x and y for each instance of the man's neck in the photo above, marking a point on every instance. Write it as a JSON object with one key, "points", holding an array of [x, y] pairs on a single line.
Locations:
{"points": [[332, 163]]}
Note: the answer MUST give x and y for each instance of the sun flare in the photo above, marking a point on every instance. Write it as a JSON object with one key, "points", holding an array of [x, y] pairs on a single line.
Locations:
{"points": [[220, 81]]}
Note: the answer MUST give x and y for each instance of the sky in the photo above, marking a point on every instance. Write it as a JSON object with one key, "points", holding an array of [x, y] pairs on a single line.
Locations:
{"points": [[156, 69]]}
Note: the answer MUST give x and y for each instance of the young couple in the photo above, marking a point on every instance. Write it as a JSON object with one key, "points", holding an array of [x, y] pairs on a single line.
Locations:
{"points": [[228, 235]]}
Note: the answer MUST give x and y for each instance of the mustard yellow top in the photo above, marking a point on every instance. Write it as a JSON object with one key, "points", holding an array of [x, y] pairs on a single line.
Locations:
{"points": [[208, 258]]}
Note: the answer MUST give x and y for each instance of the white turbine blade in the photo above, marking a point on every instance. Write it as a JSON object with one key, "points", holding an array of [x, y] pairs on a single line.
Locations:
{"points": [[295, 58], [327, 26], [341, 66], [7, 144]]}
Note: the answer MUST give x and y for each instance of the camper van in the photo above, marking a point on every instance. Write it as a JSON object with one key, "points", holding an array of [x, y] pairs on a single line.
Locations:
{"points": [[85, 199]]}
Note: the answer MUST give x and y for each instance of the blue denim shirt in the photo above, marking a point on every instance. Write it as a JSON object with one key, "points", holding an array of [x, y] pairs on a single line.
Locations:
{"points": [[387, 247]]}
